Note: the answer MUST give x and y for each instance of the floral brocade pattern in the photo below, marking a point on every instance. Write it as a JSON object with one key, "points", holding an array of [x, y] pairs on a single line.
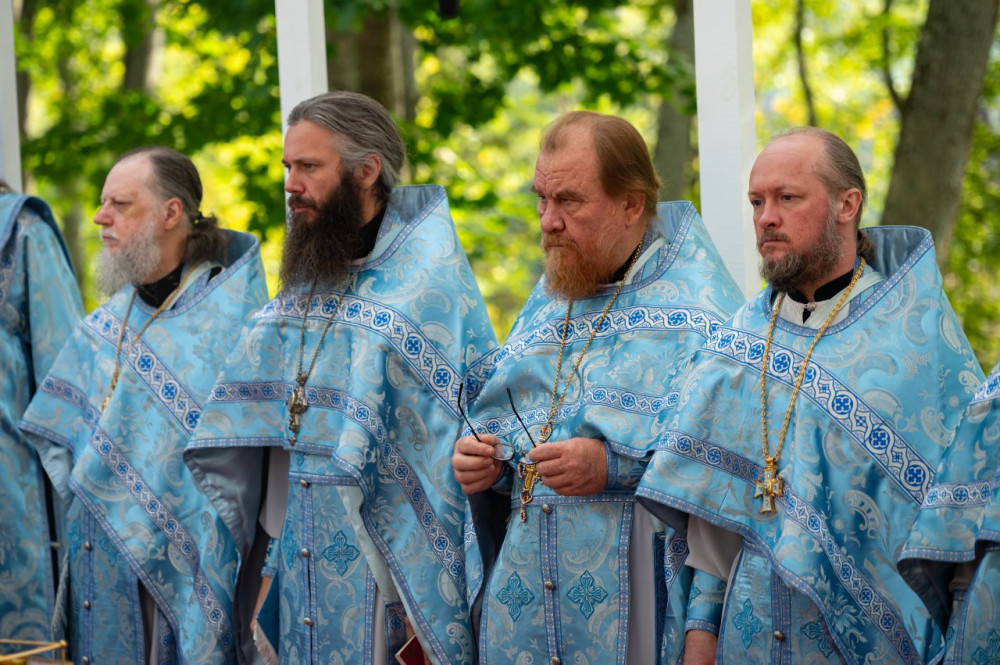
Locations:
{"points": [[124, 470], [39, 307], [371, 502], [874, 416], [572, 557]]}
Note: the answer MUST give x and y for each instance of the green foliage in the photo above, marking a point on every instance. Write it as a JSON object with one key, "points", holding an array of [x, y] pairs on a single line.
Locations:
{"points": [[846, 62], [592, 42], [488, 81]]}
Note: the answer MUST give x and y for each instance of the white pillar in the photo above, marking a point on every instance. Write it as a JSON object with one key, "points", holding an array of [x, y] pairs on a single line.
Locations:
{"points": [[727, 136], [301, 52], [10, 144]]}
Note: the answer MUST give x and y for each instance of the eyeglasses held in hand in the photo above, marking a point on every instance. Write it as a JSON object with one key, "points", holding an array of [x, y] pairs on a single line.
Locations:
{"points": [[501, 451]]}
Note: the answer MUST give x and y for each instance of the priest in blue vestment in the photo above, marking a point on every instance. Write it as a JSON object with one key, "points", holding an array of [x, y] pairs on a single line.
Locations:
{"points": [[809, 427], [561, 416], [952, 558], [328, 436], [150, 561], [39, 307]]}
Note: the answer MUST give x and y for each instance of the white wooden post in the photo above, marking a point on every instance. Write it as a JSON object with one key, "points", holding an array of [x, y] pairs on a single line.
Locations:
{"points": [[301, 52], [727, 136], [10, 143]]}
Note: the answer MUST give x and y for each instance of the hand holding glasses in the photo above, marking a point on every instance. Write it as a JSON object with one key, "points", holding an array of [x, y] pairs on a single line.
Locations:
{"points": [[502, 450]]}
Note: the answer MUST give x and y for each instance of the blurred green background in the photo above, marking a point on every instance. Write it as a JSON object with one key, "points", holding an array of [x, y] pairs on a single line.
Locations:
{"points": [[97, 77]]}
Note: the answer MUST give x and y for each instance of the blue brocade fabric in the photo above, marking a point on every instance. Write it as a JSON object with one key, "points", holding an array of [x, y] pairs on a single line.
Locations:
{"points": [[39, 307], [816, 581], [372, 499], [559, 587], [960, 520], [135, 515]]}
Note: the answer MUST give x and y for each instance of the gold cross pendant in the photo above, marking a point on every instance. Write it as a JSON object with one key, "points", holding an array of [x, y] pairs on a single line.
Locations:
{"points": [[769, 486], [529, 474]]}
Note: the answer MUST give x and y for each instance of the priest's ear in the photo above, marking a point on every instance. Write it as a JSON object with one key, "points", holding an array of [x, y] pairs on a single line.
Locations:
{"points": [[173, 213], [366, 174], [633, 203], [848, 203]]}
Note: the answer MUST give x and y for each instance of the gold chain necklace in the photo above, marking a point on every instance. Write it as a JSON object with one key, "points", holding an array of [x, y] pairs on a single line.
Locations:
{"points": [[298, 402], [770, 485], [528, 471], [121, 335]]}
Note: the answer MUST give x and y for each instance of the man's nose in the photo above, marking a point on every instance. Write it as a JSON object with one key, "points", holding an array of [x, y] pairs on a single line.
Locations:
{"points": [[550, 218], [103, 217]]}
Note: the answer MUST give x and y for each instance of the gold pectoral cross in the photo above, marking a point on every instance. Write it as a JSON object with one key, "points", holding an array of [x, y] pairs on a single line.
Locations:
{"points": [[528, 473], [769, 487], [297, 405]]}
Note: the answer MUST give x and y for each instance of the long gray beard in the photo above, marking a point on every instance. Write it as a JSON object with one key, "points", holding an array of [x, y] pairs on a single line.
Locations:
{"points": [[134, 263], [793, 270]]}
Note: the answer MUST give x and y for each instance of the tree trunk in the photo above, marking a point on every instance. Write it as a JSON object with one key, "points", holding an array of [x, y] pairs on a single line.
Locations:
{"points": [[141, 37], [673, 136], [800, 56], [69, 189], [408, 64], [342, 63], [380, 57], [377, 60], [72, 221], [26, 24], [938, 117]]}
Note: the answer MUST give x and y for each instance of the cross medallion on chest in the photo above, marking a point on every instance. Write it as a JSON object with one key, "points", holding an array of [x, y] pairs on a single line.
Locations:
{"points": [[297, 405], [769, 487], [545, 434], [528, 473]]}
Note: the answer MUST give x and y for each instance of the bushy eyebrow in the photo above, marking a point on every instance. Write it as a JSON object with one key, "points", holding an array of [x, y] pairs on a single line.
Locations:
{"points": [[569, 193], [298, 160]]}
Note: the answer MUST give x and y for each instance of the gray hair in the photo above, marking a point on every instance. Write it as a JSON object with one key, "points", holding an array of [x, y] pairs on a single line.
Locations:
{"points": [[5, 188], [175, 176], [361, 127]]}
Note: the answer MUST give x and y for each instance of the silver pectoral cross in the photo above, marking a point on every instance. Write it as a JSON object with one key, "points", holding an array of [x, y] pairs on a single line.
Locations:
{"points": [[297, 405], [769, 487]]}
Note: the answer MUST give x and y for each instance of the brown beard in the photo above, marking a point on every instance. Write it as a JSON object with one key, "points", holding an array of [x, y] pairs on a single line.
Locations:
{"points": [[571, 275], [793, 270], [321, 251]]}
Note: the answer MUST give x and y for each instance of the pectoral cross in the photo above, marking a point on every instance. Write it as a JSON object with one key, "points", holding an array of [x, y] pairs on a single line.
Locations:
{"points": [[769, 487], [529, 474], [297, 405]]}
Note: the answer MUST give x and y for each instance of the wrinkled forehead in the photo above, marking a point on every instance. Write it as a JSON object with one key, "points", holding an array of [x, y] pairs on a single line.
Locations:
{"points": [[572, 165], [132, 176]]}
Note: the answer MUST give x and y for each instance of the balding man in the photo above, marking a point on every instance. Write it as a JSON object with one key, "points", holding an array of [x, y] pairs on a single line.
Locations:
{"points": [[809, 427]]}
